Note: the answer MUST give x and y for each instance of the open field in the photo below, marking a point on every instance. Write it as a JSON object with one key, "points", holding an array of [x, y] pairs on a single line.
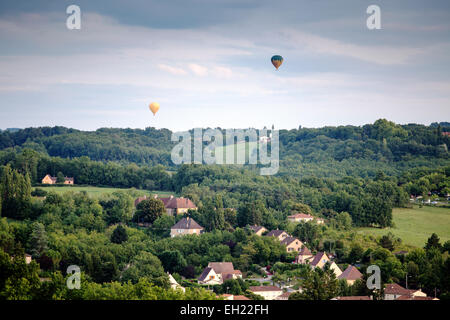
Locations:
{"points": [[96, 192], [414, 226], [246, 148]]}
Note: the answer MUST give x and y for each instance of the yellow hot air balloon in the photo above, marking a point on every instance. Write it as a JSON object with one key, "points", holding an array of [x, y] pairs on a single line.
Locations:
{"points": [[154, 107]]}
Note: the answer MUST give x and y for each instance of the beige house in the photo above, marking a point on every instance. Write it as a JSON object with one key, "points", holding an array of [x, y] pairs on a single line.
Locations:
{"points": [[174, 284], [304, 256], [300, 217], [48, 179], [258, 230], [321, 259], [185, 226], [303, 217], [218, 272], [292, 244], [351, 274], [175, 206], [267, 292], [394, 291], [279, 234]]}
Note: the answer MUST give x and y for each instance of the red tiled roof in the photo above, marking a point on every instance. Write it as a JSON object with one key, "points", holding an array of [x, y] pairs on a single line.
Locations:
{"points": [[394, 288], [414, 298], [264, 288], [240, 298], [301, 216], [351, 273]]}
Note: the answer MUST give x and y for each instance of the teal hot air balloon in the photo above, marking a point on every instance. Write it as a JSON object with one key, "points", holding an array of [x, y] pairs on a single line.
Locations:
{"points": [[277, 61]]}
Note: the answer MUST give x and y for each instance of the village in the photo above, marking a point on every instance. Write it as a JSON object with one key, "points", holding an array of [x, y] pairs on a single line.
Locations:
{"points": [[217, 272]]}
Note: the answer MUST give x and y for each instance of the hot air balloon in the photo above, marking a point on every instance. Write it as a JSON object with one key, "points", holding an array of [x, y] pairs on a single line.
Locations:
{"points": [[277, 61], [154, 107]]}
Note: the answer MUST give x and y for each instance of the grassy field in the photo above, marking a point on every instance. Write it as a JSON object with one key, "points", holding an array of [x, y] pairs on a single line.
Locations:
{"points": [[414, 226], [96, 192], [246, 148]]}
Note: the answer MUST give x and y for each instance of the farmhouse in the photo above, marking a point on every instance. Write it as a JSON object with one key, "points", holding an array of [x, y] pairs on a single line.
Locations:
{"points": [[292, 244], [351, 274], [218, 272], [48, 179], [176, 206], [258, 230], [185, 226], [300, 217], [303, 217], [173, 205], [267, 292]]}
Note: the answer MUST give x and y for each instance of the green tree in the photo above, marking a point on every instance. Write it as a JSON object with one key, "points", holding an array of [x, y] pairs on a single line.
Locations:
{"points": [[60, 178], [318, 285], [149, 210], [119, 235], [38, 239]]}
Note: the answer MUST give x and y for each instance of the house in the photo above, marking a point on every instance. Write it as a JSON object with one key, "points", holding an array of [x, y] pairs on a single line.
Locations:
{"points": [[279, 234], [353, 298], [139, 200], [28, 258], [185, 226], [175, 206], [218, 272], [351, 274], [292, 244], [233, 297], [393, 291], [258, 230], [415, 298], [320, 221], [174, 284], [48, 179], [300, 217], [304, 256], [321, 259], [267, 292]]}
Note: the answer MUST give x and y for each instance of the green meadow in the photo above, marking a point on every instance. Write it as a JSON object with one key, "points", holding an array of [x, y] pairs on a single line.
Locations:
{"points": [[415, 225], [96, 192]]}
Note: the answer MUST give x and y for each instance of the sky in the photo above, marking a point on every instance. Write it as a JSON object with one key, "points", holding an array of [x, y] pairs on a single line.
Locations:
{"points": [[207, 62]]}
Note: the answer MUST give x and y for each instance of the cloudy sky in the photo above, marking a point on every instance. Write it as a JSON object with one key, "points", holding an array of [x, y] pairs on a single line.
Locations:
{"points": [[207, 62]]}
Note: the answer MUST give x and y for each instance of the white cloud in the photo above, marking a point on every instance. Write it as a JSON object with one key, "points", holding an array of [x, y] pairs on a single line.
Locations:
{"points": [[198, 69], [172, 70]]}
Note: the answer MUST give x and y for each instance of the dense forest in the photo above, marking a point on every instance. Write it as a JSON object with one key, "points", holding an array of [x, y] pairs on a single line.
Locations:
{"points": [[327, 151]]}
